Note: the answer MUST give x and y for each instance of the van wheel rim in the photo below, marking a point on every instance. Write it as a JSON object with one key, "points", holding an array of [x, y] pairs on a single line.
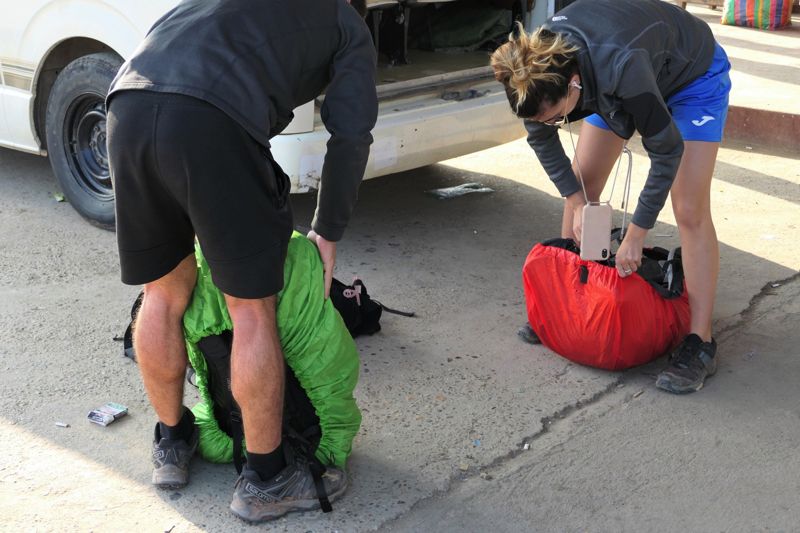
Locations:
{"points": [[85, 139]]}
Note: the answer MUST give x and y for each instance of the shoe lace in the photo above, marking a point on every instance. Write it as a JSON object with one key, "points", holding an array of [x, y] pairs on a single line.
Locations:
{"points": [[684, 356]]}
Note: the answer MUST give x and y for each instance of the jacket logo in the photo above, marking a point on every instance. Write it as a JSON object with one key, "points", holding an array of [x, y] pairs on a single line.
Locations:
{"points": [[703, 120], [560, 17]]}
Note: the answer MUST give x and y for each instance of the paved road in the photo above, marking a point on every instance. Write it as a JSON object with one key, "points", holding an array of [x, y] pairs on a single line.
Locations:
{"points": [[447, 396]]}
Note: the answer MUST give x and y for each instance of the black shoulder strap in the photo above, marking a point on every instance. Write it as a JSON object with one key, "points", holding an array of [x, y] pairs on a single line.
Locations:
{"points": [[317, 470], [295, 444], [237, 434], [127, 340], [395, 311]]}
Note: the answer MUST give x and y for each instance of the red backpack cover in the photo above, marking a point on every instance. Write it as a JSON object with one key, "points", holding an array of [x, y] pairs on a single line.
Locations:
{"points": [[584, 311]]}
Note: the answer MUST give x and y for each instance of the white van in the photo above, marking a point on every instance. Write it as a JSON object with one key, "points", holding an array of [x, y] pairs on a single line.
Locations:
{"points": [[58, 57]]}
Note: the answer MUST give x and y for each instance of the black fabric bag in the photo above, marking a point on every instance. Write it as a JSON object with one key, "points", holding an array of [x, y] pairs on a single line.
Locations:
{"points": [[301, 430], [361, 314]]}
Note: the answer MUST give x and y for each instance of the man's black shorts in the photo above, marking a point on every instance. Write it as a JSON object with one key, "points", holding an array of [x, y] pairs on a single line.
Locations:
{"points": [[181, 167]]}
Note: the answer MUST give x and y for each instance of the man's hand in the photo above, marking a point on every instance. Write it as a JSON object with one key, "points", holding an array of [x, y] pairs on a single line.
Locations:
{"points": [[327, 251], [629, 255]]}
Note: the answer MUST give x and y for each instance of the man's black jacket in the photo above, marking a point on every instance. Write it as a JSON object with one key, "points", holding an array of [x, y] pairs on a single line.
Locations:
{"points": [[257, 60]]}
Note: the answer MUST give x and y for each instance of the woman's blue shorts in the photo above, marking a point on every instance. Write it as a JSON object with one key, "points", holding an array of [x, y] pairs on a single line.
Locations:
{"points": [[699, 109]]}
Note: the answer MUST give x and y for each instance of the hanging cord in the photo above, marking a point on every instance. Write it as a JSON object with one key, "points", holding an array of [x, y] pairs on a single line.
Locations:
{"points": [[616, 172], [626, 192], [574, 151]]}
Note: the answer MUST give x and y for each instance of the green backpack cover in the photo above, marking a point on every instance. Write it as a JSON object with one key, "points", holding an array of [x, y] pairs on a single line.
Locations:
{"points": [[316, 345]]}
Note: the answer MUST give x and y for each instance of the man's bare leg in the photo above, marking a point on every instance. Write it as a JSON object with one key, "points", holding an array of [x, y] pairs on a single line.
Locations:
{"points": [[161, 354], [257, 379], [257, 373], [158, 339]]}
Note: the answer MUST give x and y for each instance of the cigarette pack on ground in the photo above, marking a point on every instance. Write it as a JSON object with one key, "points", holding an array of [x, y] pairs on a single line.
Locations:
{"points": [[107, 413]]}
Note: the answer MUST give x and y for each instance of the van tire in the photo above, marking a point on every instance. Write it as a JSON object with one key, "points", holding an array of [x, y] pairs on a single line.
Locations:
{"points": [[76, 135]]}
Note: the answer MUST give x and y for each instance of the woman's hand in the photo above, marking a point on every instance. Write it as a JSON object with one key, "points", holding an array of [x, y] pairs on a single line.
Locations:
{"points": [[575, 202], [629, 255]]}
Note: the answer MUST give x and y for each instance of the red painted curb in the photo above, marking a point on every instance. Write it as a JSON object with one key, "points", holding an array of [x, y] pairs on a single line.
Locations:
{"points": [[758, 126]]}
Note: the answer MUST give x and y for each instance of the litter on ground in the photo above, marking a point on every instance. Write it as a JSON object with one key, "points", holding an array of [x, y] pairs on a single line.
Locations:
{"points": [[459, 190]]}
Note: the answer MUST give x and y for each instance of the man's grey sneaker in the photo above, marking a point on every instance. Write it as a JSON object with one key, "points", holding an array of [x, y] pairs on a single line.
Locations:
{"points": [[527, 334], [293, 489], [171, 459], [689, 365]]}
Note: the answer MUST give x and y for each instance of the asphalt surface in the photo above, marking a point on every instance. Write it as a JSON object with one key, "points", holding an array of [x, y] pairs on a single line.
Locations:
{"points": [[450, 397], [465, 428]]}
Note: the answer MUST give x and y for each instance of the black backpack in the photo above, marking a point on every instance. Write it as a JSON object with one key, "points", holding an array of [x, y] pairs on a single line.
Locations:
{"points": [[301, 429], [361, 314]]}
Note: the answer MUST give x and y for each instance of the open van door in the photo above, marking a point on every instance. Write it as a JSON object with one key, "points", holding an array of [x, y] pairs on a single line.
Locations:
{"points": [[437, 96]]}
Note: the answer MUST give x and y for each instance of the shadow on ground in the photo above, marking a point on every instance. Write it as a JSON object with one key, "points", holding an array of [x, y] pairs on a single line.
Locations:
{"points": [[443, 393]]}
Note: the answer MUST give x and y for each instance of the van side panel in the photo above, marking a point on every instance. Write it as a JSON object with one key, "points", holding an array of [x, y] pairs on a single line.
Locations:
{"points": [[410, 133], [35, 27], [3, 124]]}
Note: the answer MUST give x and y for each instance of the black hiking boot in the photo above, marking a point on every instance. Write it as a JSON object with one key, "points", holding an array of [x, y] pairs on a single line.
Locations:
{"points": [[292, 489], [527, 334], [171, 459], [689, 365]]}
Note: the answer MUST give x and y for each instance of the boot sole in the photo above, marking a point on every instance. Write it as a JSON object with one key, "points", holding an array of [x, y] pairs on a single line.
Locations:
{"points": [[529, 336], [282, 509], [169, 478], [666, 385]]}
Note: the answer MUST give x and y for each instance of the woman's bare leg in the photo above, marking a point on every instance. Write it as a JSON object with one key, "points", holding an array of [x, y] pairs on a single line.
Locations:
{"points": [[695, 359]]}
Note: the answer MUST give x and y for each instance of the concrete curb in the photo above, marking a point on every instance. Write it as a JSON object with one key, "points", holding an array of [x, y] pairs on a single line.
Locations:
{"points": [[759, 126]]}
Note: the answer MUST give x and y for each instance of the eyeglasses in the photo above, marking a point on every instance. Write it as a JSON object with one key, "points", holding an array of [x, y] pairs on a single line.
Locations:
{"points": [[560, 119]]}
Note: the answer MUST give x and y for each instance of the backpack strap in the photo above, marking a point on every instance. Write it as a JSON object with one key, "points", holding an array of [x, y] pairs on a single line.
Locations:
{"points": [[191, 377], [237, 434], [127, 340], [295, 444], [673, 272], [127, 343], [317, 470], [617, 235], [394, 311]]}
